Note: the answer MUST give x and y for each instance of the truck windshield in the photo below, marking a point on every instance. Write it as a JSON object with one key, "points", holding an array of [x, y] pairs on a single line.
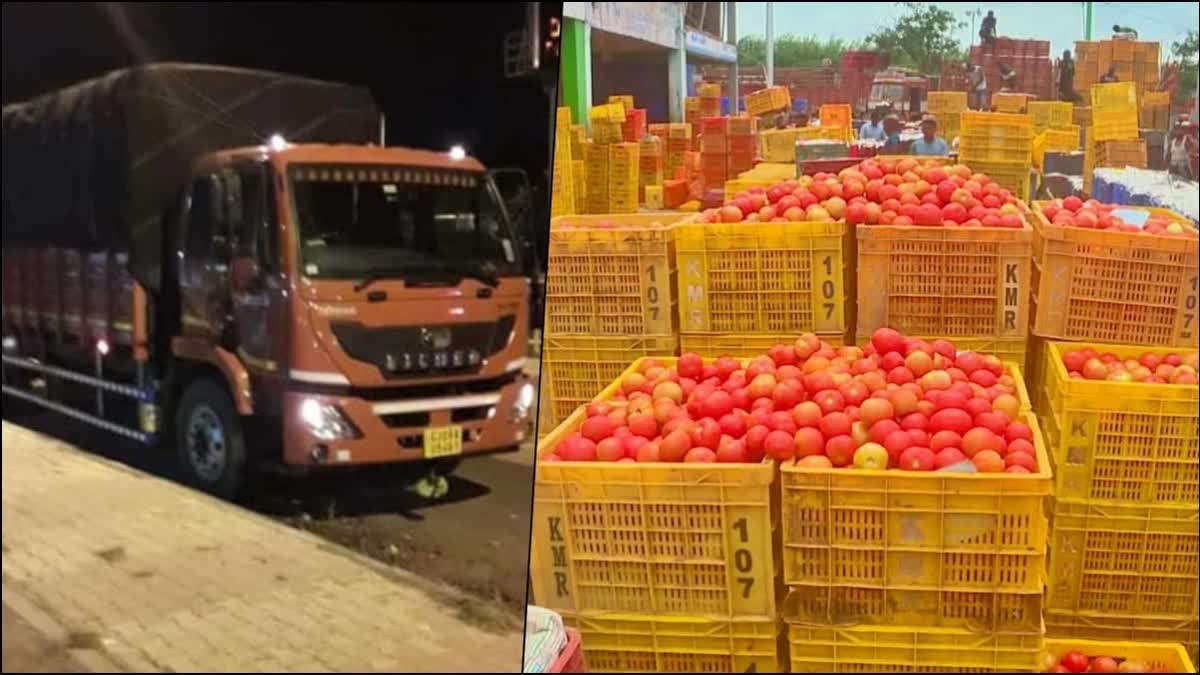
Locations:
{"points": [[887, 92], [375, 222]]}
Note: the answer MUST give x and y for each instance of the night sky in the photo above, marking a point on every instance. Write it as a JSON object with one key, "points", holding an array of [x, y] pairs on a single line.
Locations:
{"points": [[436, 69]]}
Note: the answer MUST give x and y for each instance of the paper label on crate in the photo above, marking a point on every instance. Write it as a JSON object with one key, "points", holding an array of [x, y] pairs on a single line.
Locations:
{"points": [[1132, 216]]}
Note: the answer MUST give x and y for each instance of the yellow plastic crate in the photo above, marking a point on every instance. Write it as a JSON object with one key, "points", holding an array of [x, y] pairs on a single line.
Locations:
{"points": [[1172, 657], [1116, 125], [940, 102], [916, 548], [877, 649], [1129, 152], [996, 126], [1009, 103], [640, 643], [1124, 560], [713, 345], [1054, 139], [768, 100], [1123, 442], [950, 282], [1114, 96], [1128, 288], [611, 113], [763, 277], [774, 171], [1064, 625], [616, 281], [1156, 98], [836, 115], [577, 368], [1051, 114], [662, 538]]}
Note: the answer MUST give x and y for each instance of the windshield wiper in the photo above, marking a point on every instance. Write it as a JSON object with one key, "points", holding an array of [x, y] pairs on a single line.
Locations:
{"points": [[484, 273]]}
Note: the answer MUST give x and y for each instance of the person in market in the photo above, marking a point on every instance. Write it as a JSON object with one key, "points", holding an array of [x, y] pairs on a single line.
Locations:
{"points": [[1109, 75], [929, 143], [978, 85], [1008, 78], [987, 30], [1180, 151], [1066, 78], [873, 130], [891, 130]]}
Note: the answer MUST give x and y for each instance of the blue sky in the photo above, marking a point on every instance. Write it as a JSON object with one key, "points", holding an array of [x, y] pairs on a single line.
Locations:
{"points": [[1059, 22]]}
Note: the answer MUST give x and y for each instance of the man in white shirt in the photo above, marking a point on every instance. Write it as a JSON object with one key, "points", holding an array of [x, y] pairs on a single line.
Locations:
{"points": [[978, 86], [873, 130]]}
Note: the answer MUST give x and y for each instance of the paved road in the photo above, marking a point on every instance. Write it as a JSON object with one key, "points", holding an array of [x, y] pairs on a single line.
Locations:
{"points": [[477, 538], [157, 577]]}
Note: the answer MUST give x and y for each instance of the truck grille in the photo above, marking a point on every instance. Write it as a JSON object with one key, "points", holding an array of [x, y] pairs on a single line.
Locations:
{"points": [[421, 351]]}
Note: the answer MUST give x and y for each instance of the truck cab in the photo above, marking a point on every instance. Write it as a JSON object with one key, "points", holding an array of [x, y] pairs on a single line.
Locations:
{"points": [[361, 305]]}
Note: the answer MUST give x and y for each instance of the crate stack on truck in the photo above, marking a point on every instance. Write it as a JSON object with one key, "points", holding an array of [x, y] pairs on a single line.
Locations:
{"points": [[1123, 549], [1029, 58]]}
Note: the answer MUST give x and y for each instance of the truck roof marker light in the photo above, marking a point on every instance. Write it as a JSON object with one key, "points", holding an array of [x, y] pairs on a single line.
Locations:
{"points": [[277, 142], [102, 347], [458, 153]]}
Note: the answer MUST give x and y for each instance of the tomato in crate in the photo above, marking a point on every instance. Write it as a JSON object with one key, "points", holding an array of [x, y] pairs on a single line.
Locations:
{"points": [[611, 275], [1120, 442]]}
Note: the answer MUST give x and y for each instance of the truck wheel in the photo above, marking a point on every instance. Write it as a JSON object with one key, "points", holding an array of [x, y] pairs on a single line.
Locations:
{"points": [[209, 439]]}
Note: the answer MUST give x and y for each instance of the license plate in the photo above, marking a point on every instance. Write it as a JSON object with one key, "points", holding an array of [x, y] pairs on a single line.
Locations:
{"points": [[443, 441]]}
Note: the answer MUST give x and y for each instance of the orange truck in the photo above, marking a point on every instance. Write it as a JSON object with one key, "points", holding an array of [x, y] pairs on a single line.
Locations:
{"points": [[230, 263]]}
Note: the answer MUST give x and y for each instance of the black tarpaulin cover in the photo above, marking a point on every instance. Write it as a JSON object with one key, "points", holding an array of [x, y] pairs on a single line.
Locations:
{"points": [[94, 166]]}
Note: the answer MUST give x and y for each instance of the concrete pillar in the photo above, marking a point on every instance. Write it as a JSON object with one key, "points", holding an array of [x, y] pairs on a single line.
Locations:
{"points": [[577, 68], [735, 93], [677, 79]]}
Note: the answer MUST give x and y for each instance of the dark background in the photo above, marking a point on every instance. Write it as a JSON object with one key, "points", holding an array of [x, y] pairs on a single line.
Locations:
{"points": [[436, 69]]}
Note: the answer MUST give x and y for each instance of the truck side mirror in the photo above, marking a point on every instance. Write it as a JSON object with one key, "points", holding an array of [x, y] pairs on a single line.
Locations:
{"points": [[244, 271]]}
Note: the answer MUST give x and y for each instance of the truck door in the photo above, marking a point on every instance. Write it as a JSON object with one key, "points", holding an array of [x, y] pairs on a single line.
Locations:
{"points": [[257, 299], [203, 274]]}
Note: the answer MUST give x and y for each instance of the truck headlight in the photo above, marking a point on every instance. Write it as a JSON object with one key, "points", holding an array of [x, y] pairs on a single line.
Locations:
{"points": [[325, 421], [526, 397]]}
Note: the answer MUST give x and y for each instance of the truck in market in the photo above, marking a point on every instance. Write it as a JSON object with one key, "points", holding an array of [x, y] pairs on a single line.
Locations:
{"points": [[232, 264], [898, 90]]}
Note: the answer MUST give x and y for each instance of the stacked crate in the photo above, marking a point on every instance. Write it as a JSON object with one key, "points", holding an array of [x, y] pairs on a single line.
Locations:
{"points": [[625, 101], [634, 127], [612, 178], [650, 165], [691, 115], [1123, 560], [727, 147], [1123, 549], [1006, 102], [662, 567], [999, 145], [945, 106], [1135, 62], [563, 199], [890, 571], [1051, 115], [1155, 110], [759, 283], [1029, 58], [710, 100], [1049, 140], [679, 144], [610, 298], [1123, 153]]}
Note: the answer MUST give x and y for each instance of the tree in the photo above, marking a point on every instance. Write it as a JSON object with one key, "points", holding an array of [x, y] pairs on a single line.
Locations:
{"points": [[922, 37], [1185, 50], [791, 51]]}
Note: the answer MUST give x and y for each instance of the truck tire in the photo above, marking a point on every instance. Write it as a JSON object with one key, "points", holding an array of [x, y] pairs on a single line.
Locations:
{"points": [[209, 439]]}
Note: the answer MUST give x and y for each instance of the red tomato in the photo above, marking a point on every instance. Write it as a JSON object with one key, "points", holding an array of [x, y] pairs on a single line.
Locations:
{"points": [[835, 424], [916, 459], [1104, 664], [779, 445], [610, 449], [1074, 661], [674, 446], [809, 441], [840, 450], [701, 455], [597, 428]]}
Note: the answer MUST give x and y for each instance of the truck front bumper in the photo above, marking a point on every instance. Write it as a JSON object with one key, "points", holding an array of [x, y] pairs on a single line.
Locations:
{"points": [[392, 429]]}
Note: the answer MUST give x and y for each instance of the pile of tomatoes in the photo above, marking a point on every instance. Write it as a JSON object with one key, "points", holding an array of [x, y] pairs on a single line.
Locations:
{"points": [[1077, 662], [881, 192], [896, 402], [1093, 215], [1148, 368]]}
